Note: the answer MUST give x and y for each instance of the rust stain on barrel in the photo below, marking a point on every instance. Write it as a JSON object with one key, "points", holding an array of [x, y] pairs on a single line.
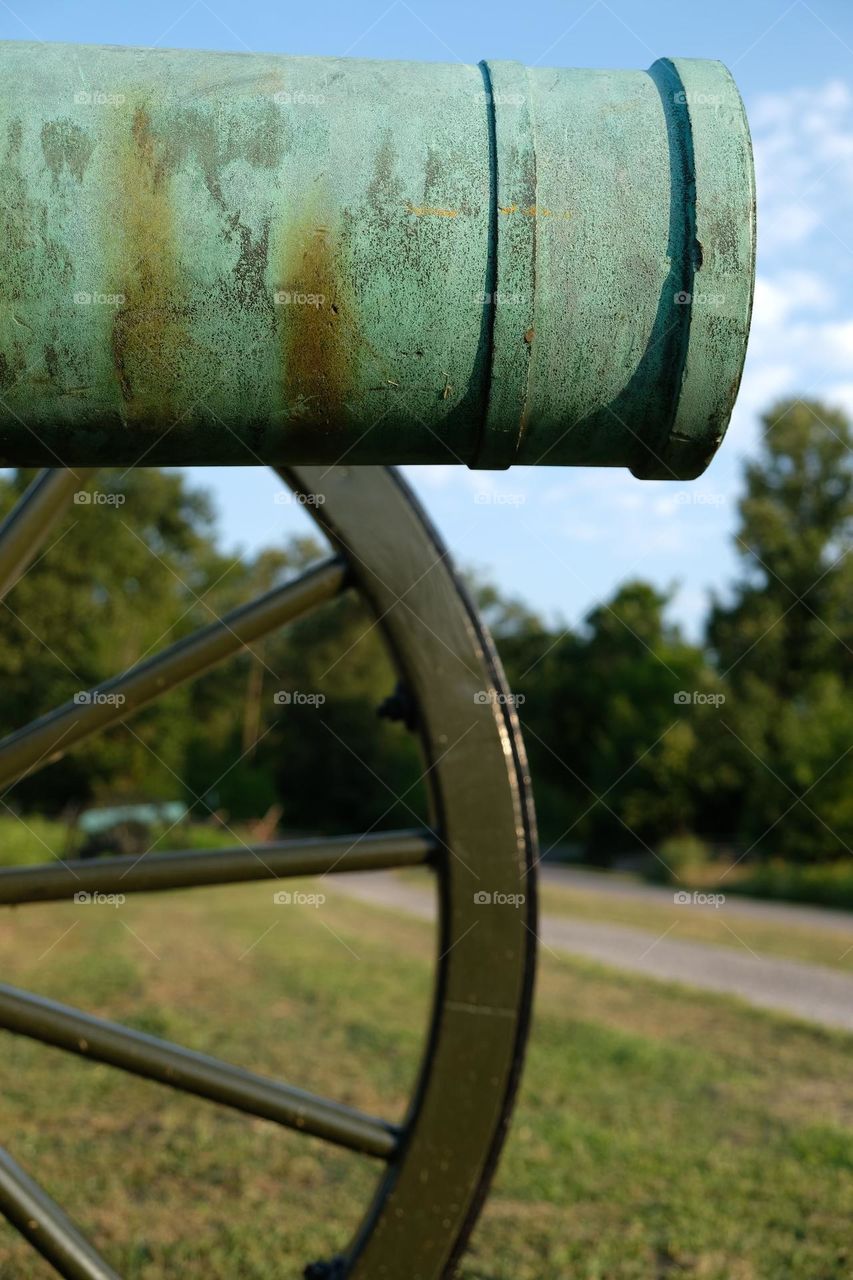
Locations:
{"points": [[319, 332], [149, 329]]}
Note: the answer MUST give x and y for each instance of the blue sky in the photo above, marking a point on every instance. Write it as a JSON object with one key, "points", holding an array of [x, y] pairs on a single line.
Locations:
{"points": [[567, 537]]}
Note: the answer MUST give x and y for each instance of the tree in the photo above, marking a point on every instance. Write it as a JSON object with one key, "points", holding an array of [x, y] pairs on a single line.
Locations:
{"points": [[600, 708], [619, 761], [783, 642], [322, 752], [119, 577]]}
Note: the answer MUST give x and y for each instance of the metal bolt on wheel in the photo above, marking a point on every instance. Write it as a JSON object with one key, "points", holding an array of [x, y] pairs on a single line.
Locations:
{"points": [[481, 839]]}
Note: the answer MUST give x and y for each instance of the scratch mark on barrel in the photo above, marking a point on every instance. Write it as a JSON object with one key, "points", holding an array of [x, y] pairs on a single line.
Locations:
{"points": [[430, 211]]}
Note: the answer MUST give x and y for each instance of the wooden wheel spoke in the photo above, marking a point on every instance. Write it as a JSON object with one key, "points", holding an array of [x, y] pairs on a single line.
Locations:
{"points": [[41, 1221], [143, 1055], [153, 872], [48, 738], [36, 512]]}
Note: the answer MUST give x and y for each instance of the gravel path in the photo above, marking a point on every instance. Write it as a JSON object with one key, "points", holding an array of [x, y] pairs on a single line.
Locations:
{"points": [[813, 992]]}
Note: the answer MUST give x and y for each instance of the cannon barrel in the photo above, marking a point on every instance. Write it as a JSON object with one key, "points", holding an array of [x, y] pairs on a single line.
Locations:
{"points": [[226, 258]]}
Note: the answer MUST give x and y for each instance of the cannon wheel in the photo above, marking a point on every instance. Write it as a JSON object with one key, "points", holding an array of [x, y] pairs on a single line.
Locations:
{"points": [[480, 843]]}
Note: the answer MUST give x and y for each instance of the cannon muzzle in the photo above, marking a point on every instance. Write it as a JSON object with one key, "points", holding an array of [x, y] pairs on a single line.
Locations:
{"points": [[232, 258]]}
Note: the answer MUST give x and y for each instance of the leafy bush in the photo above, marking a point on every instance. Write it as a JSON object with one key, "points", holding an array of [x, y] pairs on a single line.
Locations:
{"points": [[827, 884], [679, 858]]}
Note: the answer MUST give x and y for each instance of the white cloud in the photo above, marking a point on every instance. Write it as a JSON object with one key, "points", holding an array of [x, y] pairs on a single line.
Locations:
{"points": [[802, 330], [840, 395], [788, 291], [803, 144], [788, 224], [777, 110]]}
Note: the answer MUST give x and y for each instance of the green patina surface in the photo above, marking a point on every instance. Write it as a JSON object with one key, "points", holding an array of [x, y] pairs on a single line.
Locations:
{"points": [[243, 258]]}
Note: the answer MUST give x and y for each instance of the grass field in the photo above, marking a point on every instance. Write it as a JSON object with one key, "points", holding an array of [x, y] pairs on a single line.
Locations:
{"points": [[660, 1133]]}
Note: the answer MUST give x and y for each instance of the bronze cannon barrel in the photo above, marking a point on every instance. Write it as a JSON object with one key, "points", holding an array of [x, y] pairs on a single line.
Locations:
{"points": [[226, 258]]}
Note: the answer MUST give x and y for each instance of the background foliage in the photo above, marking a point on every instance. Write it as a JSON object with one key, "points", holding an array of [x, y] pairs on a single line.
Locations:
{"points": [[643, 744]]}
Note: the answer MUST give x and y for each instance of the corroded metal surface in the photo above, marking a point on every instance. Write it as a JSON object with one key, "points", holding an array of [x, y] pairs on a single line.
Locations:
{"points": [[231, 258]]}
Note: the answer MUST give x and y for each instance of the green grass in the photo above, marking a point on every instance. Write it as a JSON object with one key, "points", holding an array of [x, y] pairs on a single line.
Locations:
{"points": [[660, 1133], [826, 946], [30, 838]]}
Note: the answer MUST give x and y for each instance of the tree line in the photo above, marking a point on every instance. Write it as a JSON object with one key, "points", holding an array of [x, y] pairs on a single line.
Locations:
{"points": [[637, 736]]}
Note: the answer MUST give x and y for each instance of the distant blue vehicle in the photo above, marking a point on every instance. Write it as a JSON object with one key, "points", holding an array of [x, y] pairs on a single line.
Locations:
{"points": [[126, 828], [94, 821]]}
